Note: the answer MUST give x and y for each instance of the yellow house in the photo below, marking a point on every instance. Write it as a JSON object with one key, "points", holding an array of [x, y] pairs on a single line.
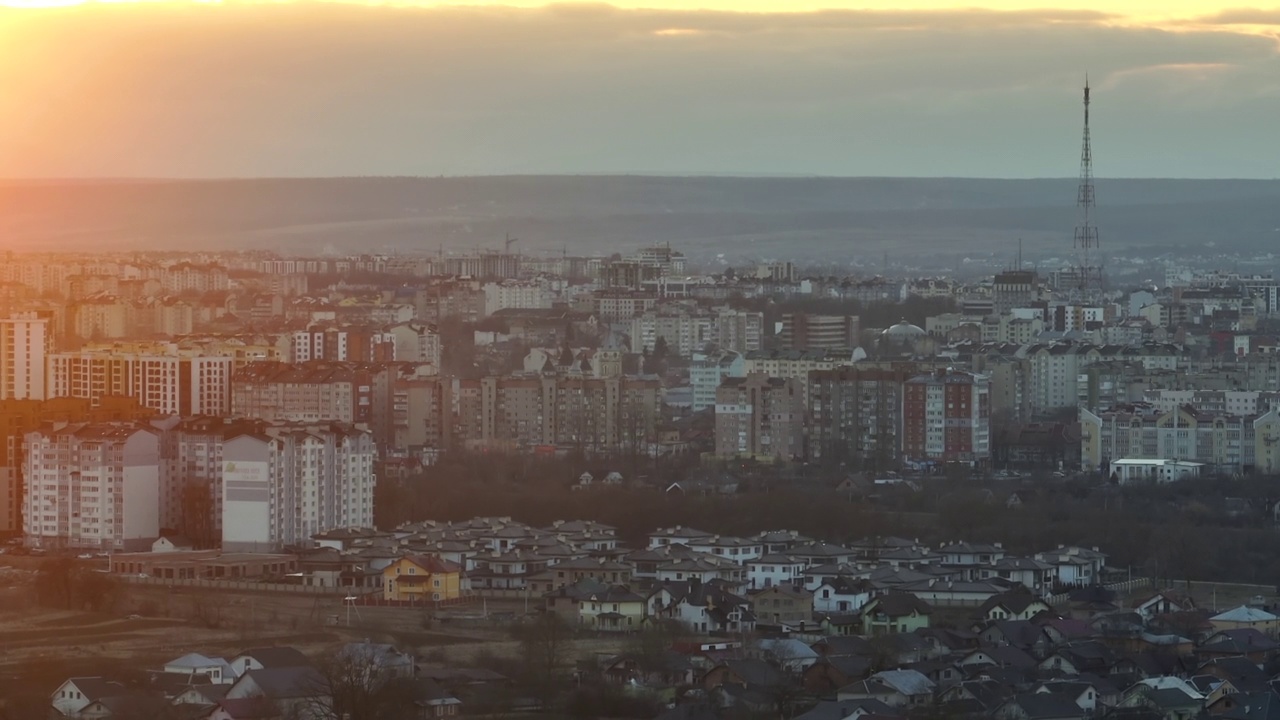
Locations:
{"points": [[421, 578]]}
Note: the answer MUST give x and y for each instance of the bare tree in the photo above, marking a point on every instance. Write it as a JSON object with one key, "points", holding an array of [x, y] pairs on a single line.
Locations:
{"points": [[546, 643], [353, 685]]}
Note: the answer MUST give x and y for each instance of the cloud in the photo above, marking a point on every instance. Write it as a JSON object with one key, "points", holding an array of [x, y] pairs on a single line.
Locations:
{"points": [[334, 89]]}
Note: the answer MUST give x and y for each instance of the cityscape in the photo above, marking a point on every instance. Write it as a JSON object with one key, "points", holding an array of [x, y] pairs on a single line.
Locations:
{"points": [[754, 361]]}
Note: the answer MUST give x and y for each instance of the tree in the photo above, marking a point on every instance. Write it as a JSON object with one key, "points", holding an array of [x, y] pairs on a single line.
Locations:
{"points": [[546, 643], [349, 684], [197, 513]]}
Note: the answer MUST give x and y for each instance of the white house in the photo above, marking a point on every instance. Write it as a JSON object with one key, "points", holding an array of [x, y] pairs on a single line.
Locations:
{"points": [[76, 694], [219, 671], [841, 595], [677, 535], [774, 569], [1075, 565]]}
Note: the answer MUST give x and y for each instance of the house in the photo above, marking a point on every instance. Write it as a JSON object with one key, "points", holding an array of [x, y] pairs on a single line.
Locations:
{"points": [[616, 610], [216, 670], [999, 656], [1245, 617], [839, 623], [1163, 603], [775, 569], [203, 695], [75, 694], [291, 690], [421, 578], [255, 707], [974, 697], [1018, 604], [895, 688], [747, 673], [424, 698], [828, 674], [841, 595], [701, 607], [1075, 566], [1019, 633], [1245, 642], [849, 710], [895, 613], [783, 605], [1078, 658], [788, 654], [172, 543], [1172, 703], [1039, 706], [268, 657]]}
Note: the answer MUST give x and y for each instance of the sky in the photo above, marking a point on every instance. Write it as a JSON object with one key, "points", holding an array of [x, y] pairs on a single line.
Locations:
{"points": [[811, 87]]}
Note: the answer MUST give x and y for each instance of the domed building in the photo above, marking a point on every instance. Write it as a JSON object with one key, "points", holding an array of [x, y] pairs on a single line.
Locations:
{"points": [[902, 330], [903, 338]]}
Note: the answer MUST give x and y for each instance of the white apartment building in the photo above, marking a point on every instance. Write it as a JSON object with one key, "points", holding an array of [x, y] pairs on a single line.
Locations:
{"points": [[706, 372], [169, 384], [416, 342], [684, 332], [512, 294], [92, 485], [24, 343], [293, 480]]}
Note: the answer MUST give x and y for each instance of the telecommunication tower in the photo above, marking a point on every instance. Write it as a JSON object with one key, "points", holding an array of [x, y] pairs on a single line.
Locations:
{"points": [[1088, 270]]}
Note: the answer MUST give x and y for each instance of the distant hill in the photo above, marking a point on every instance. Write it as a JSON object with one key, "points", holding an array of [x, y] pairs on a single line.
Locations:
{"points": [[805, 218]]}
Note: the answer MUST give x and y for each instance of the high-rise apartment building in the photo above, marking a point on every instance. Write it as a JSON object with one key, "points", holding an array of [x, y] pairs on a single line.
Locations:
{"points": [[855, 414], [24, 345], [172, 384], [761, 417], [805, 331], [92, 485], [289, 481], [946, 417]]}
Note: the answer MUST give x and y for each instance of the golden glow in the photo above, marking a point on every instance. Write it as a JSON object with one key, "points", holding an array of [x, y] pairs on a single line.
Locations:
{"points": [[1141, 11]]}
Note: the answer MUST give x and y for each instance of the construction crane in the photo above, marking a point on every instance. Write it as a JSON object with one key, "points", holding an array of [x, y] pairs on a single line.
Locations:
{"points": [[510, 241]]}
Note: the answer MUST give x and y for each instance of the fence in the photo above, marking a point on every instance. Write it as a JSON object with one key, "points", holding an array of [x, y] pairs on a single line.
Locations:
{"points": [[1117, 587], [237, 585]]}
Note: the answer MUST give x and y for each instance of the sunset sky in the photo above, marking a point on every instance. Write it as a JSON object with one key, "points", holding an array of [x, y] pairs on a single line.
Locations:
{"points": [[908, 88]]}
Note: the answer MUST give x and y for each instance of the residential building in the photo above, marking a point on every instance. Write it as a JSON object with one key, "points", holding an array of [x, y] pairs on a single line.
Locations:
{"points": [[761, 417], [289, 481], [421, 579], [1221, 442], [855, 413], [1013, 289], [707, 371], [807, 331], [92, 485], [25, 341], [162, 377], [946, 418]]}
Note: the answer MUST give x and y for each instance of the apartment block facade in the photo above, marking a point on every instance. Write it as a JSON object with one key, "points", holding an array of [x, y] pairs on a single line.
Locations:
{"points": [[170, 384], [92, 485], [289, 481], [946, 417], [760, 417]]}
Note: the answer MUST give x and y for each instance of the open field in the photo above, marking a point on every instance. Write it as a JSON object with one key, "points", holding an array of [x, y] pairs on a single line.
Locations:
{"points": [[39, 647]]}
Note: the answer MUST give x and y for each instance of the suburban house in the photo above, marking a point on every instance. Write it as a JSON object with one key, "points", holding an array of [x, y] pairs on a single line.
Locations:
{"points": [[1017, 604], [1245, 617], [841, 595], [895, 688], [268, 657], [895, 613], [292, 691], [783, 605], [421, 578], [192, 665], [76, 694], [598, 606]]}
